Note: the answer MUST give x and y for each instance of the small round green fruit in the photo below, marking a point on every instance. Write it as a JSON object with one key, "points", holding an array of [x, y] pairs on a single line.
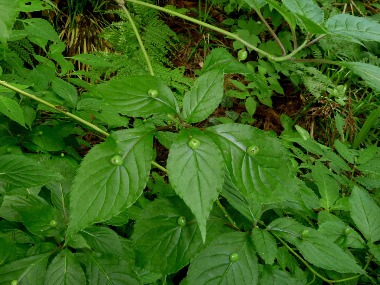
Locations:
{"points": [[193, 143], [234, 257], [116, 160]]}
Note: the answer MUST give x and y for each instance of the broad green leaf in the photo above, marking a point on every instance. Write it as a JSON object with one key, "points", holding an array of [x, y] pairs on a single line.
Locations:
{"points": [[196, 174], [315, 248], [363, 29], [336, 231], [247, 207], [111, 177], [7, 246], [43, 220], [255, 4], [105, 269], [41, 28], [21, 171], [30, 270], [92, 60], [221, 59], [365, 214], [229, 259], [271, 275], [165, 236], [370, 73], [65, 90], [65, 270], [289, 17], [375, 250], [265, 245], [33, 6], [204, 97], [257, 162], [12, 110], [103, 239], [309, 13], [328, 187], [8, 13], [130, 96]]}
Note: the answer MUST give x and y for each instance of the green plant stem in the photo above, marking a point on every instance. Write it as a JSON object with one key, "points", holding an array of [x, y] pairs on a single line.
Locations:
{"points": [[159, 166], [224, 32], [310, 267], [68, 114], [130, 19], [232, 222], [278, 41]]}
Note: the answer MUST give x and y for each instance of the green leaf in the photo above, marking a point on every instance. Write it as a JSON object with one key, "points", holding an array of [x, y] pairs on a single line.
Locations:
{"points": [[65, 270], [274, 276], [33, 6], [111, 177], [255, 4], [365, 214], [162, 243], [7, 246], [130, 96], [309, 13], [41, 28], [375, 250], [265, 176], [8, 13], [363, 29], [12, 204], [12, 110], [21, 171], [30, 270], [204, 97], [104, 270], [328, 187], [289, 17], [103, 239], [65, 90], [265, 245], [370, 73], [315, 248], [229, 259], [221, 59], [196, 174]]}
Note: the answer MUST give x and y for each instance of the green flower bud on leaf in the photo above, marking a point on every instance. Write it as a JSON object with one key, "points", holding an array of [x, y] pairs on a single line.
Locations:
{"points": [[53, 223], [252, 150], [40, 133], [347, 231], [152, 93], [193, 143], [242, 54], [14, 282], [116, 160], [234, 257], [181, 221], [305, 233]]}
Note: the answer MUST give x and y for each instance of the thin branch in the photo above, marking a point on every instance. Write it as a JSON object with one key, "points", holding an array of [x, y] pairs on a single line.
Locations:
{"points": [[315, 40], [134, 28], [57, 108], [271, 31]]}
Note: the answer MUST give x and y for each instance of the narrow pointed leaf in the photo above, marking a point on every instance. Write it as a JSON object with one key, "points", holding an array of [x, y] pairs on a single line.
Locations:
{"points": [[363, 29], [21, 171], [273, 276], [366, 214], [111, 177], [327, 186], [258, 164], [315, 248], [65, 270], [370, 73], [65, 90], [12, 110], [196, 174], [265, 245], [255, 4], [130, 96], [204, 97], [229, 259]]}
